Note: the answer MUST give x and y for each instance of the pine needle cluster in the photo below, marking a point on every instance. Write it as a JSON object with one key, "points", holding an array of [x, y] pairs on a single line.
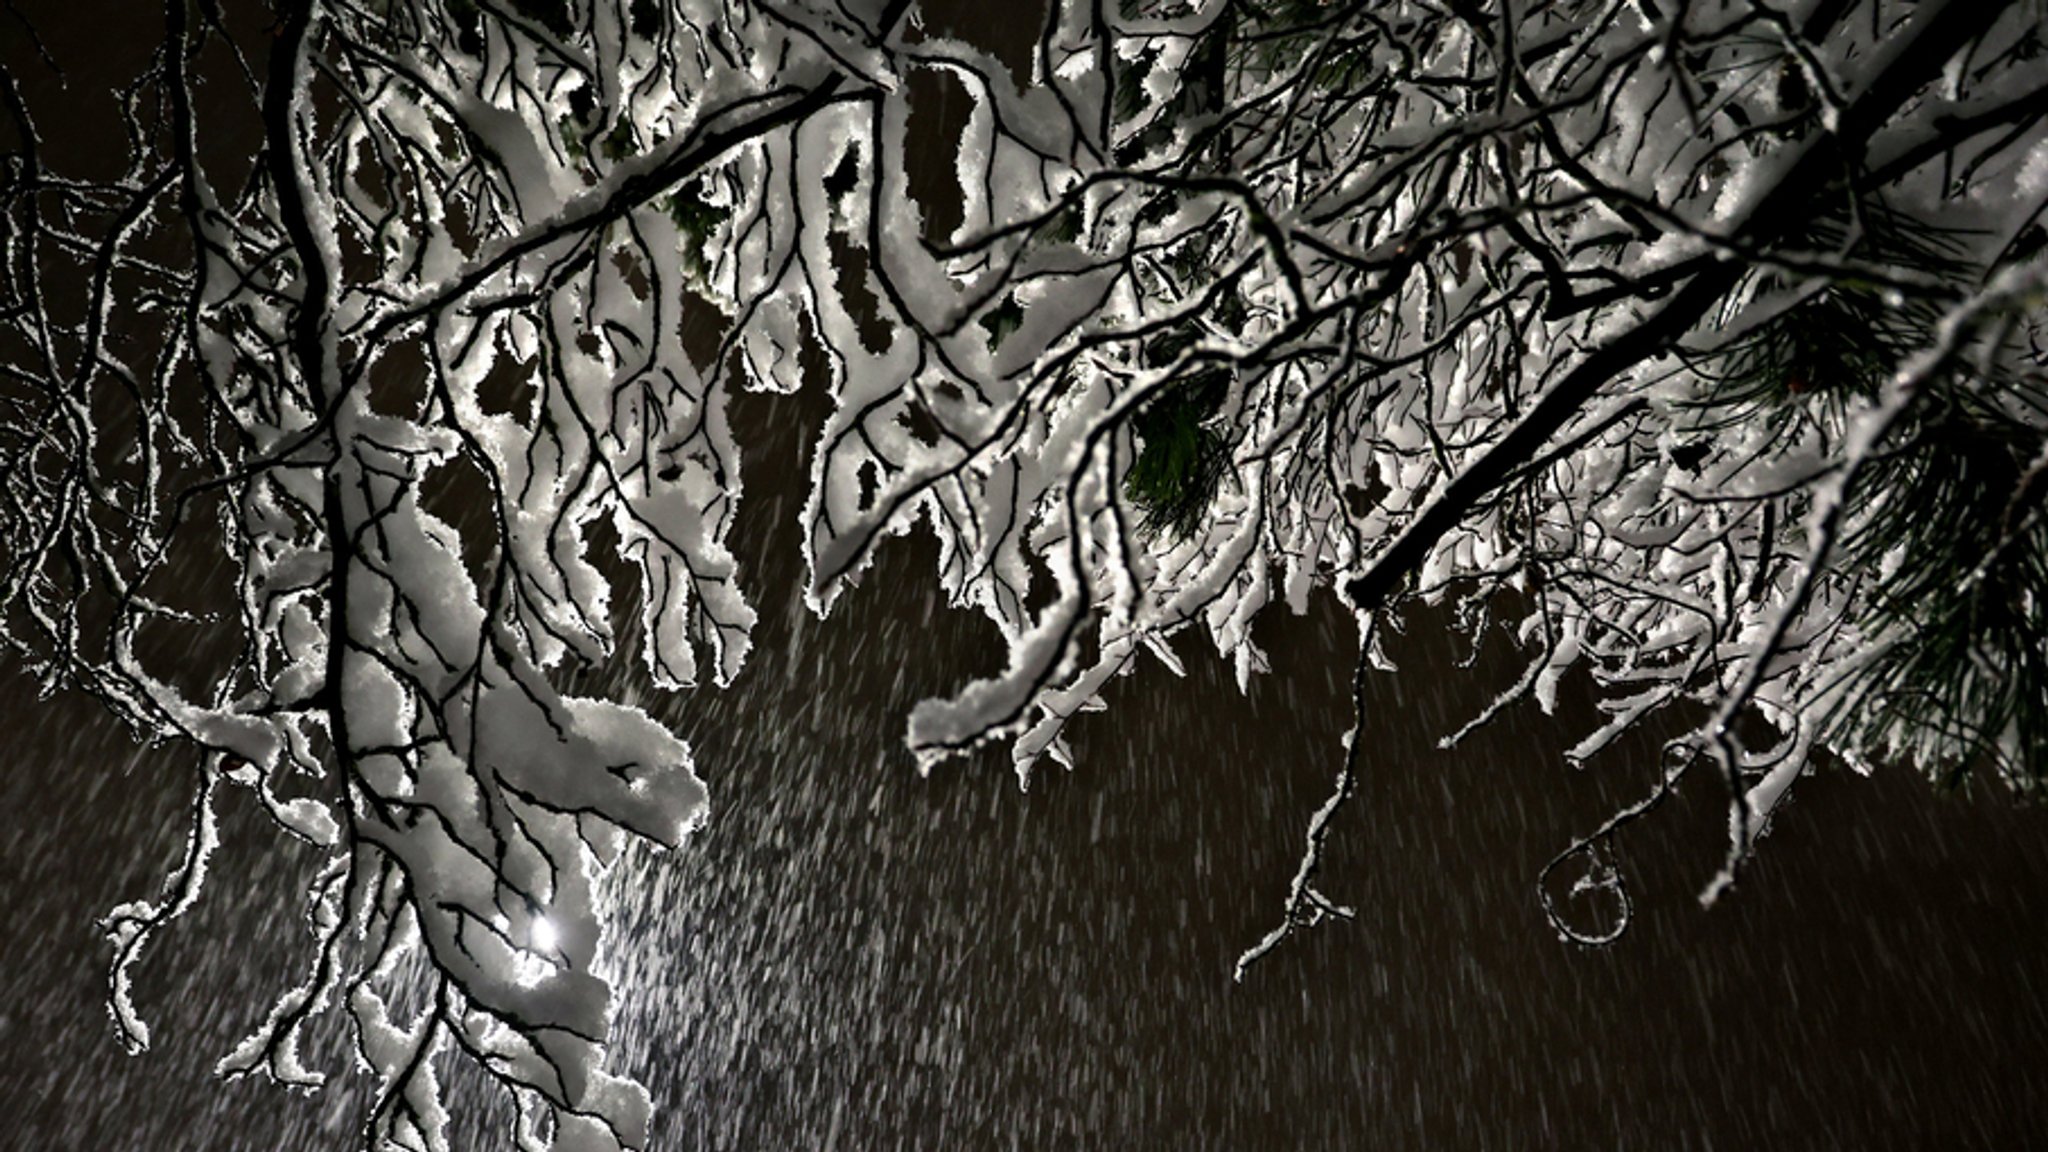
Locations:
{"points": [[1949, 543]]}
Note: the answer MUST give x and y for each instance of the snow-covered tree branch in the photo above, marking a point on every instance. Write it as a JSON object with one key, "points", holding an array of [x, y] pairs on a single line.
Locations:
{"points": [[1697, 343]]}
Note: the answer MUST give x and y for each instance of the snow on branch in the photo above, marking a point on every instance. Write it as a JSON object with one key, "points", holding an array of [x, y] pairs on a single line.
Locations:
{"points": [[1700, 346]]}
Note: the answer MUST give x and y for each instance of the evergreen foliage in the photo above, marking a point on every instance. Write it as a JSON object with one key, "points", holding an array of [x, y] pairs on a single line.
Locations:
{"points": [[1948, 544], [1181, 459]]}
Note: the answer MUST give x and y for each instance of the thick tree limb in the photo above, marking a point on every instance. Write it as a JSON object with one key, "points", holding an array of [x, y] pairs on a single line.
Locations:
{"points": [[1916, 58]]}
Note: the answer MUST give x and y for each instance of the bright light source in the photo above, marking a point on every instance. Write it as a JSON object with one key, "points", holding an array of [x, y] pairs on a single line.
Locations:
{"points": [[543, 934]]}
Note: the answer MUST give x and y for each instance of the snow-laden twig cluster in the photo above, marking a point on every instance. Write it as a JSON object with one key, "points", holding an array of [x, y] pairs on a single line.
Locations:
{"points": [[1592, 312], [1701, 341]]}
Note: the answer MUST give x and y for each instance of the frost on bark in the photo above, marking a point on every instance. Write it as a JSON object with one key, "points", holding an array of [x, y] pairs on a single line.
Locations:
{"points": [[1703, 340]]}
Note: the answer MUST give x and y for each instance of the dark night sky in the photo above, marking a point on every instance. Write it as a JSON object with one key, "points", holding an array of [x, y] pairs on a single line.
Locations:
{"points": [[851, 955]]}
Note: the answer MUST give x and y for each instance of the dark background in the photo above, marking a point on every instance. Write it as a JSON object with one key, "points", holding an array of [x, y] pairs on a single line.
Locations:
{"points": [[851, 957]]}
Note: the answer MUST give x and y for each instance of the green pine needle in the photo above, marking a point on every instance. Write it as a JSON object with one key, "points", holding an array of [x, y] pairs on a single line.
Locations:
{"points": [[1182, 458]]}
